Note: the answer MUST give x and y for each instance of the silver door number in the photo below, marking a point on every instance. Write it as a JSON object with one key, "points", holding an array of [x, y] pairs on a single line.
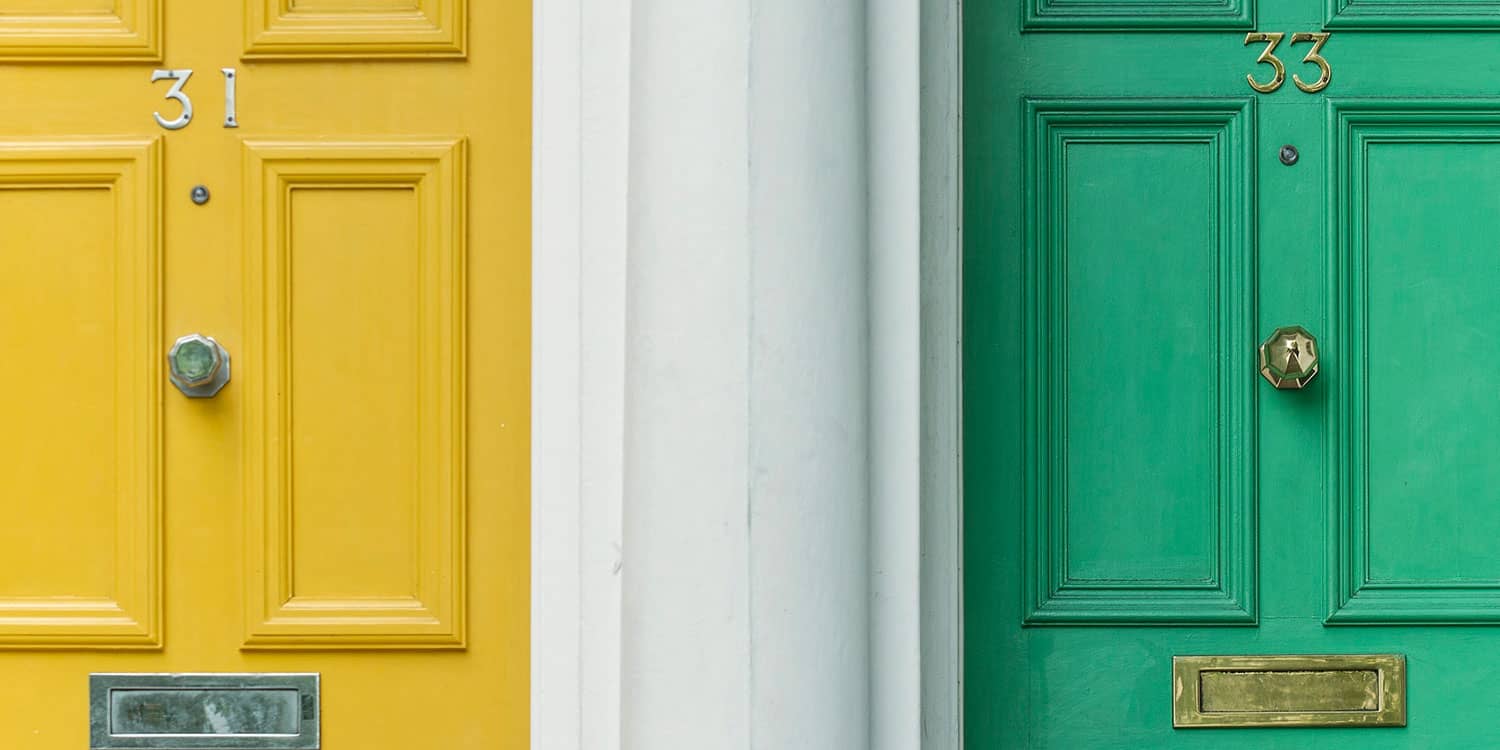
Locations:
{"points": [[179, 79]]}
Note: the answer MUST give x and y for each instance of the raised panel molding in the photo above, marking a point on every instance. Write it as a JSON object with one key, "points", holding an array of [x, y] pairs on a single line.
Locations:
{"points": [[127, 612], [1220, 587], [1412, 14], [292, 29], [1042, 15], [1356, 594], [421, 604], [132, 31]]}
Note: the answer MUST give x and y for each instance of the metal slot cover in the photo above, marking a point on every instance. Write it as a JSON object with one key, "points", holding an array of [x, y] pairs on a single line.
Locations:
{"points": [[204, 711], [1289, 691]]}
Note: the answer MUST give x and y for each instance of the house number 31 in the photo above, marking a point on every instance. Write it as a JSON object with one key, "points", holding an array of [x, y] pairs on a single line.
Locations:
{"points": [[1268, 56], [179, 79]]}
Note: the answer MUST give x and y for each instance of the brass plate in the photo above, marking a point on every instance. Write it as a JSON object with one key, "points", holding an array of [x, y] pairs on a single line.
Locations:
{"points": [[1341, 690]]}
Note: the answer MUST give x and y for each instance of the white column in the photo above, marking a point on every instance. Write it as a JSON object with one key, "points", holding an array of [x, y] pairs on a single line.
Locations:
{"points": [[745, 603]]}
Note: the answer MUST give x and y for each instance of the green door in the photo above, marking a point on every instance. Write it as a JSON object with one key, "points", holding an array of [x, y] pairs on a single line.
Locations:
{"points": [[1135, 491]]}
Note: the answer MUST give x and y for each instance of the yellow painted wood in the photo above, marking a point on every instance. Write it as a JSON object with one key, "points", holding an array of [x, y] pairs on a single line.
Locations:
{"points": [[80, 294], [85, 30], [354, 291], [349, 29], [368, 493]]}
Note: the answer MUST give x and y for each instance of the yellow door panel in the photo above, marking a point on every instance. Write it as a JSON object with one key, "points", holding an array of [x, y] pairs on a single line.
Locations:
{"points": [[354, 28], [80, 294], [354, 430], [80, 29], [354, 503]]}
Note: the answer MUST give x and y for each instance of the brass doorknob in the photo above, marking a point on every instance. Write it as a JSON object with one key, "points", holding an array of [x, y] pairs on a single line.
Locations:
{"points": [[1289, 358], [198, 366]]}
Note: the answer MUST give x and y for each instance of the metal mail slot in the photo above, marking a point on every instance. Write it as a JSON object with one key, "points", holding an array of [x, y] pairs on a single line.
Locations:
{"points": [[1289, 691], [204, 712]]}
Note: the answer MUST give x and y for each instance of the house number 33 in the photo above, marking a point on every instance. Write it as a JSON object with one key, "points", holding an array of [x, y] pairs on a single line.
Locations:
{"points": [[1268, 56], [179, 79]]}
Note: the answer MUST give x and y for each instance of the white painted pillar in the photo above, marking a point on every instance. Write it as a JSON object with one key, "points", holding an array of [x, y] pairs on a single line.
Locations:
{"points": [[745, 595]]}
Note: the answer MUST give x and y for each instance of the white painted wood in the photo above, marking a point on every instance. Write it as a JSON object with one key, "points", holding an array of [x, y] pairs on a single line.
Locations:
{"points": [[895, 408], [745, 375], [556, 578], [605, 109], [686, 606], [941, 562], [745, 607], [580, 102], [808, 501]]}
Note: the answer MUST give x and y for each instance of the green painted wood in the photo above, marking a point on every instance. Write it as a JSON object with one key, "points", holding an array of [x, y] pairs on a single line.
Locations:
{"points": [[1413, 14], [1368, 506], [1415, 317], [1101, 15], [1137, 370]]}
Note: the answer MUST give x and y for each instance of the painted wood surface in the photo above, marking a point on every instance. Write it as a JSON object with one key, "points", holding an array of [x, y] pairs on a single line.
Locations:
{"points": [[354, 502], [1104, 445]]}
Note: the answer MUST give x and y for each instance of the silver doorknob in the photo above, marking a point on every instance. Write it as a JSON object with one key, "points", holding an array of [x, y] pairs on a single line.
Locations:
{"points": [[1289, 358], [198, 366]]}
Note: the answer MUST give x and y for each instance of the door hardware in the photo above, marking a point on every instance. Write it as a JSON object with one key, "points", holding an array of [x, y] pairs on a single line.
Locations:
{"points": [[1348, 690], [179, 80], [1289, 358], [198, 366], [1289, 155], [205, 711], [1278, 77]]}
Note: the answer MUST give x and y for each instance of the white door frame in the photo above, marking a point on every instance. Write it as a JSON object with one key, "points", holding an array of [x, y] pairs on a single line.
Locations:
{"points": [[581, 116]]}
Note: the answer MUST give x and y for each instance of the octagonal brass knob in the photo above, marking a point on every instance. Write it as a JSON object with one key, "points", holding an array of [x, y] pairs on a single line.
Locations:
{"points": [[198, 366], [1289, 358]]}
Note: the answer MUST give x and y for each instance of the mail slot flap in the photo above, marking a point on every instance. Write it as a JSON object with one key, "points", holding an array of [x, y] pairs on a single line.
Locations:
{"points": [[227, 711], [1289, 691]]}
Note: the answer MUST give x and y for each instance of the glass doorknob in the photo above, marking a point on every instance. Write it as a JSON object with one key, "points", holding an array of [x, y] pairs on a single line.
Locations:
{"points": [[1289, 358], [198, 366]]}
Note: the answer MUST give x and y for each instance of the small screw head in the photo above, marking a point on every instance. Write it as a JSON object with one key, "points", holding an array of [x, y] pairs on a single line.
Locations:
{"points": [[200, 195], [1289, 155]]}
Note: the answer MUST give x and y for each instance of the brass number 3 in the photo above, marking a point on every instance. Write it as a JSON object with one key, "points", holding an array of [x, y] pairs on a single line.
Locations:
{"points": [[1268, 57], [1326, 72]]}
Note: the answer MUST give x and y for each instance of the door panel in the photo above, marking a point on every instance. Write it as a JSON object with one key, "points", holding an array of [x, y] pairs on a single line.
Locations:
{"points": [[1131, 349], [355, 289], [1098, 484], [354, 502], [1412, 14], [85, 30], [1417, 305], [361, 29], [80, 285], [1135, 14]]}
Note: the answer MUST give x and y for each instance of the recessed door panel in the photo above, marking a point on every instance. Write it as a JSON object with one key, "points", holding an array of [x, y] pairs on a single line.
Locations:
{"points": [[1154, 14], [355, 28], [1415, 406], [85, 30], [355, 435], [80, 294], [1130, 366]]}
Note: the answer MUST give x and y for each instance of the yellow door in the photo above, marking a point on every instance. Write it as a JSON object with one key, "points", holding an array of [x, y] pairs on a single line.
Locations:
{"points": [[354, 503]]}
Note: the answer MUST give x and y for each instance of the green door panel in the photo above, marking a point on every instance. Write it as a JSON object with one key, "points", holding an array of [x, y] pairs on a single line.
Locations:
{"points": [[1133, 490], [1139, 430]]}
